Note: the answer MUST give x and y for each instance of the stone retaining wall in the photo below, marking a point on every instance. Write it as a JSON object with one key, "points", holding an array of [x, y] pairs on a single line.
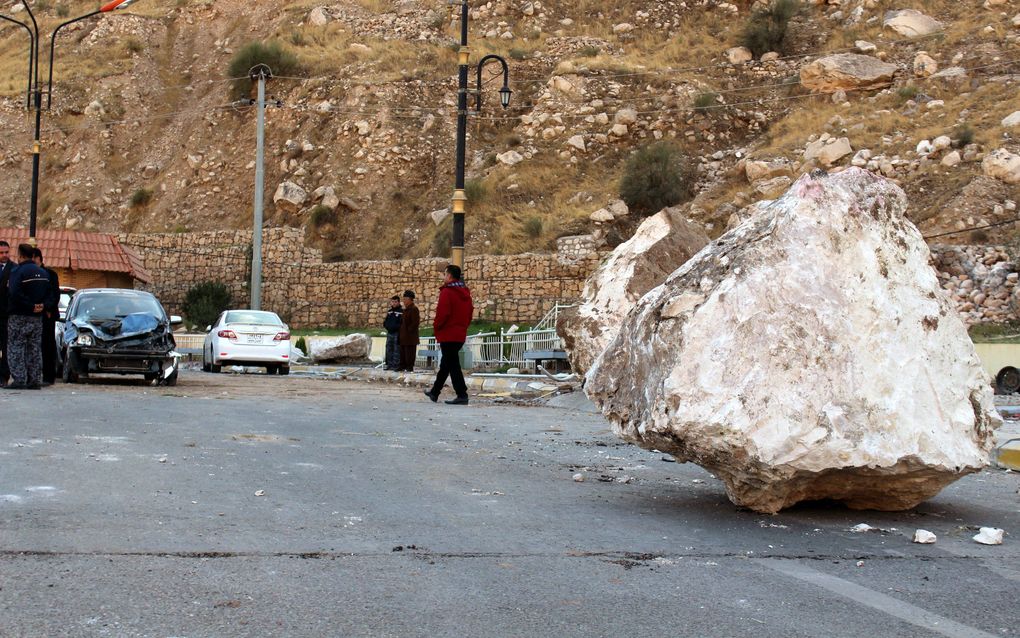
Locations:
{"points": [[982, 280], [310, 293]]}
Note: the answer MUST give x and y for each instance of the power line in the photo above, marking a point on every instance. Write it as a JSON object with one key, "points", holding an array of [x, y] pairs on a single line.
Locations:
{"points": [[972, 229]]}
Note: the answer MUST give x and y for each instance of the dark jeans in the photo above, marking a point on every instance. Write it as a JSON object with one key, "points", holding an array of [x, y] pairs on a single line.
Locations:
{"points": [[49, 350], [392, 359], [24, 340], [5, 370], [407, 356], [449, 366]]}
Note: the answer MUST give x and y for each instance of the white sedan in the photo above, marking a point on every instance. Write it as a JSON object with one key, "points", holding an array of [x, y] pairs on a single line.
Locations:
{"points": [[247, 338]]}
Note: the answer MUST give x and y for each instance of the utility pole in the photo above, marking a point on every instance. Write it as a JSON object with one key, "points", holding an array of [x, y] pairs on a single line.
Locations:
{"points": [[459, 196], [260, 74]]}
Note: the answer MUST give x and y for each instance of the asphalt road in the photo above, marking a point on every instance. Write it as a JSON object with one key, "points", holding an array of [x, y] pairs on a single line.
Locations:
{"points": [[269, 506]]}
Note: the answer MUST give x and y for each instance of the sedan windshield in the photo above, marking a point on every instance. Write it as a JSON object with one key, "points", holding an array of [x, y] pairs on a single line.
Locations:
{"points": [[253, 317], [116, 306]]}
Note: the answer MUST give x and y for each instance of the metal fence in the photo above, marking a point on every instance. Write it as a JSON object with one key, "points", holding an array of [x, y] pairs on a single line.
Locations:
{"points": [[494, 350]]}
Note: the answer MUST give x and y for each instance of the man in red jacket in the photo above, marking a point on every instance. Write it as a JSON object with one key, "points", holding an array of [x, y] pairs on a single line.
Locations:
{"points": [[453, 316]]}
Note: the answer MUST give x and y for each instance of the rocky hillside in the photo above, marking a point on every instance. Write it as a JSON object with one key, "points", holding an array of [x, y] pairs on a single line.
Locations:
{"points": [[146, 133]]}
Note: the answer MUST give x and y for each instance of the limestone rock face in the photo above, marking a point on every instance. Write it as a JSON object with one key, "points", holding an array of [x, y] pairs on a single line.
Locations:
{"points": [[846, 71], [809, 353], [661, 244], [346, 348]]}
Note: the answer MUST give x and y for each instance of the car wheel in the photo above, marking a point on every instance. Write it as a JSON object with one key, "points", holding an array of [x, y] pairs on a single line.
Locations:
{"points": [[70, 372], [273, 369], [205, 362], [150, 377], [283, 370], [214, 368], [1008, 380], [171, 381]]}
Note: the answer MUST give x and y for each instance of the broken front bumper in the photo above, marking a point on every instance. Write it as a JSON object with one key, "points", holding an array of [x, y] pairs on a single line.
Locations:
{"points": [[117, 361]]}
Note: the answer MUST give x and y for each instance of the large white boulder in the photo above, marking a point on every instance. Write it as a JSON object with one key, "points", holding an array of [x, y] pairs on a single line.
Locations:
{"points": [[342, 349], [661, 244], [846, 72], [809, 353]]}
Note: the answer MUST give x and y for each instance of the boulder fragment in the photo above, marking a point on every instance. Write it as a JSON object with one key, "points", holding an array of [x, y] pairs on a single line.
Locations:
{"points": [[911, 23], [845, 72], [342, 349], [809, 353], [661, 244], [290, 197]]}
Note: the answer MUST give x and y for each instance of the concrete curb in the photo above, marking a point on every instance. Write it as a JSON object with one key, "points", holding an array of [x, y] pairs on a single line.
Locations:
{"points": [[478, 386]]}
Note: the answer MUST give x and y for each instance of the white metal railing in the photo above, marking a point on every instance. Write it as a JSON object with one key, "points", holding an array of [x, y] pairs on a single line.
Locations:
{"points": [[548, 322], [492, 350]]}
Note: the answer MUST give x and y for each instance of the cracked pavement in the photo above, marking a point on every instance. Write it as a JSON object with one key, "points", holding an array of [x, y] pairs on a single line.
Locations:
{"points": [[252, 506]]}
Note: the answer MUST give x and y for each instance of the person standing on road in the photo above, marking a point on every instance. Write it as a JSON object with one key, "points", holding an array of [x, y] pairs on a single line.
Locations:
{"points": [[409, 340], [51, 313], [453, 316], [6, 266], [28, 289], [392, 324]]}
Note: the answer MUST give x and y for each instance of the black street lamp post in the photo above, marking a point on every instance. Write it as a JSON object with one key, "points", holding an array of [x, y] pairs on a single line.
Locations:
{"points": [[459, 195], [35, 91]]}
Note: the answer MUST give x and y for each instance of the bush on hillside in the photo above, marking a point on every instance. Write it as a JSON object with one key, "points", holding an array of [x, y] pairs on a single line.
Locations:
{"points": [[766, 28], [205, 301], [656, 177], [272, 54]]}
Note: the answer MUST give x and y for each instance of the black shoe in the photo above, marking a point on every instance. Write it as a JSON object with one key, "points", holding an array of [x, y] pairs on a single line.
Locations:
{"points": [[433, 397], [34, 386], [15, 386], [458, 401]]}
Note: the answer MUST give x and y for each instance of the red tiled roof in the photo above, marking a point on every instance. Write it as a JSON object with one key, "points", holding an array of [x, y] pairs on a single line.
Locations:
{"points": [[76, 250]]}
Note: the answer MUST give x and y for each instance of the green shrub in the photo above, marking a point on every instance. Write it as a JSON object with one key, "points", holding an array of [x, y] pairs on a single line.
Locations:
{"points": [[322, 215], [589, 51], [907, 92], [205, 301], [963, 135], [441, 240], [534, 227], [302, 345], [766, 28], [141, 197], [134, 45], [705, 100], [656, 177], [518, 54], [272, 54], [475, 190], [63, 10]]}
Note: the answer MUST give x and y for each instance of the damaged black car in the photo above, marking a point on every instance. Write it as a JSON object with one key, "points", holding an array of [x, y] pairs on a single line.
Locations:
{"points": [[110, 331]]}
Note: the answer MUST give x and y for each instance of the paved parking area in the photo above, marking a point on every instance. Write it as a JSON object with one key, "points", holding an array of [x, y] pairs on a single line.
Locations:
{"points": [[255, 506]]}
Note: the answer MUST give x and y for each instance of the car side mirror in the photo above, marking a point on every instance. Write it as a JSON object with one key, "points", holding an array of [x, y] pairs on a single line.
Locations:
{"points": [[176, 320]]}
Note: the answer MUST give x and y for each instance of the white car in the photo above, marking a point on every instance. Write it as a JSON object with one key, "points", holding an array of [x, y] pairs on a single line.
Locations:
{"points": [[247, 338]]}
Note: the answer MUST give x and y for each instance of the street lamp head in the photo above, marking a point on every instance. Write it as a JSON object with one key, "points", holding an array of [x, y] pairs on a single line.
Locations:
{"points": [[115, 5], [504, 96]]}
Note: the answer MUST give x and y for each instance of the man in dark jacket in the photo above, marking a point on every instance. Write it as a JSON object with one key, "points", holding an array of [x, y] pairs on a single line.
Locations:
{"points": [[29, 286], [392, 325], [453, 316], [6, 266], [51, 314], [408, 336]]}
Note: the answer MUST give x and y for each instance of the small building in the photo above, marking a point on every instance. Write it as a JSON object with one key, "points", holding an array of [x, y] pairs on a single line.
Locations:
{"points": [[84, 260]]}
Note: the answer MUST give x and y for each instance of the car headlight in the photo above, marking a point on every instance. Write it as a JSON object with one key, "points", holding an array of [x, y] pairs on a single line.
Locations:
{"points": [[85, 340]]}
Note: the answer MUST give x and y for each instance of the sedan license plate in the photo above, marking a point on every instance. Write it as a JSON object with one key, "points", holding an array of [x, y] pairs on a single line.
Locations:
{"points": [[253, 338]]}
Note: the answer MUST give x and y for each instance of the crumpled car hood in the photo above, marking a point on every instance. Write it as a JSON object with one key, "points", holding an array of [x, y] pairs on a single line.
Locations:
{"points": [[133, 325]]}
